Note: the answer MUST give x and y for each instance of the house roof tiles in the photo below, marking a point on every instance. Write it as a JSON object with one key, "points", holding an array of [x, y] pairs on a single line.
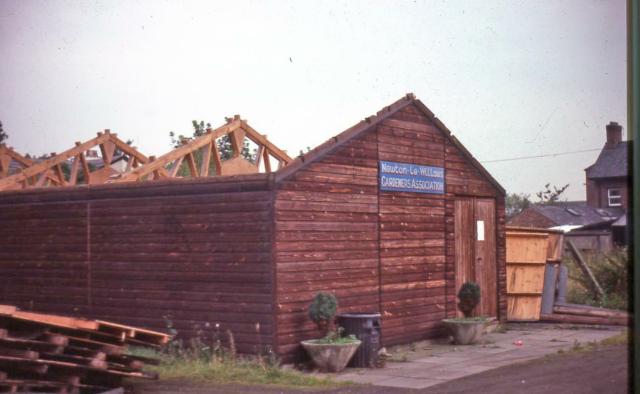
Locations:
{"points": [[612, 162]]}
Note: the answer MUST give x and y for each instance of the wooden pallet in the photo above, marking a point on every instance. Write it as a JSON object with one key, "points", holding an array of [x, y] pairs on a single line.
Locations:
{"points": [[51, 353]]}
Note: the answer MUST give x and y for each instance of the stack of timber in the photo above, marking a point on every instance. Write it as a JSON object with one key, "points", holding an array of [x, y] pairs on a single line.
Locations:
{"points": [[585, 314], [57, 354], [557, 310]]}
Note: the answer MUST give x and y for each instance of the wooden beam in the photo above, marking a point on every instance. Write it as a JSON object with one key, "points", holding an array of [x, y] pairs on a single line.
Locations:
{"points": [[59, 173], [191, 162], [206, 160], [5, 161], [217, 161], [267, 162], [259, 139], [168, 157], [259, 155], [107, 150], [583, 310], [85, 168], [577, 319], [237, 142], [585, 268], [14, 180], [176, 167]]}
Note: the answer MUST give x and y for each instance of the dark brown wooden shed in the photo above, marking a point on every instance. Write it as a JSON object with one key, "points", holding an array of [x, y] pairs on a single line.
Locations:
{"points": [[392, 215]]}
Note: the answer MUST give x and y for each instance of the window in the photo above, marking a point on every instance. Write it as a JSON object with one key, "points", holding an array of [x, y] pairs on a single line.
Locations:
{"points": [[615, 197]]}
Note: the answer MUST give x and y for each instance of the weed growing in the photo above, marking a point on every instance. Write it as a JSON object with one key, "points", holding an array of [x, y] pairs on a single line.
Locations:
{"points": [[611, 271], [205, 359]]}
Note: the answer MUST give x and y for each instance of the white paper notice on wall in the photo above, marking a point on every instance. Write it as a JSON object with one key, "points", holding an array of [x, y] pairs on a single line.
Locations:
{"points": [[480, 230]]}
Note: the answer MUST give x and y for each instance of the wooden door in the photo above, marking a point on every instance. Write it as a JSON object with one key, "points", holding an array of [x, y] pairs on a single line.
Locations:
{"points": [[475, 249]]}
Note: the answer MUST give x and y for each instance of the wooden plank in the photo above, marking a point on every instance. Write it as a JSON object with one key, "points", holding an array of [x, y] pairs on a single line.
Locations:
{"points": [[72, 366], [206, 160], [577, 319], [563, 279], [485, 256], [583, 310], [526, 278], [577, 256], [522, 307], [464, 248], [54, 320], [549, 290], [526, 247]]}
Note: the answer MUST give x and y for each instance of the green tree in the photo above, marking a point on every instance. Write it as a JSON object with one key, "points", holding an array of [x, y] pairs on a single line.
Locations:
{"points": [[516, 203], [548, 196], [3, 134]]}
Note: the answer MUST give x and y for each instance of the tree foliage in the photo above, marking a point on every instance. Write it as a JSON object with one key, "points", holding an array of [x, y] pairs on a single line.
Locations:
{"points": [[516, 203], [549, 196], [3, 134]]}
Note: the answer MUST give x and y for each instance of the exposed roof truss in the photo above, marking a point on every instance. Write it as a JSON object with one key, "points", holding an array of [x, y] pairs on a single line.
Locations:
{"points": [[12, 162], [201, 157], [73, 167]]}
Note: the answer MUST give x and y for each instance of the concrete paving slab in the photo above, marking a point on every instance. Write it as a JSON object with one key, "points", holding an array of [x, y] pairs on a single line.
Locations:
{"points": [[412, 383], [443, 372], [431, 363], [375, 379]]}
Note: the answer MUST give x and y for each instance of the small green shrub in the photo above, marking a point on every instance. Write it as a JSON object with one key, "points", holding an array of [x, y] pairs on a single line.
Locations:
{"points": [[322, 311], [336, 337], [611, 270], [469, 296]]}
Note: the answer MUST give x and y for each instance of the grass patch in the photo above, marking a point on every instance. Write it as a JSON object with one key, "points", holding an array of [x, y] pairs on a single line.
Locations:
{"points": [[618, 339], [227, 369]]}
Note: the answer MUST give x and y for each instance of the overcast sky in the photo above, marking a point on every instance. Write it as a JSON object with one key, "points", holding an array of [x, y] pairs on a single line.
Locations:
{"points": [[509, 78]]}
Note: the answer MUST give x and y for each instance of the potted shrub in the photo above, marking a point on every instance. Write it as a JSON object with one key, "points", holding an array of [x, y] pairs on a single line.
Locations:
{"points": [[332, 351], [468, 329]]}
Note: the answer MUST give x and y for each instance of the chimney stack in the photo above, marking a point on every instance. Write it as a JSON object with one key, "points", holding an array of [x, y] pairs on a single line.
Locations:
{"points": [[614, 135]]}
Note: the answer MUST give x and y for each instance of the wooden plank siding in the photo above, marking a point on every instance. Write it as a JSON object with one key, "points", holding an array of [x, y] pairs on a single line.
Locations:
{"points": [[241, 250], [326, 234], [412, 245], [387, 252], [198, 253]]}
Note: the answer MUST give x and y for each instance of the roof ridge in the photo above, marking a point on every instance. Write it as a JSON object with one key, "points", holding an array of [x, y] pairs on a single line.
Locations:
{"points": [[333, 143]]}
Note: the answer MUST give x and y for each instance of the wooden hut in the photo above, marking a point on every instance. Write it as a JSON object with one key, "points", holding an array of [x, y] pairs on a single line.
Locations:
{"points": [[392, 215]]}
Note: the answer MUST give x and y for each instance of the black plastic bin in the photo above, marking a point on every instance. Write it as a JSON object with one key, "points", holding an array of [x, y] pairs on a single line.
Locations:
{"points": [[366, 327]]}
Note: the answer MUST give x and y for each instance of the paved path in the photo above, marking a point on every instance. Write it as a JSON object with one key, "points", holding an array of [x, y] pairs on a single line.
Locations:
{"points": [[430, 363]]}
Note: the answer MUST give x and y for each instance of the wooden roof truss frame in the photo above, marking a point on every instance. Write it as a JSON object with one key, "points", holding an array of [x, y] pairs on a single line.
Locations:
{"points": [[9, 156], [169, 164], [50, 172]]}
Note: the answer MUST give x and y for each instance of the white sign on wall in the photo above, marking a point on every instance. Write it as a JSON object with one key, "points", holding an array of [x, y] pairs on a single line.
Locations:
{"points": [[480, 230]]}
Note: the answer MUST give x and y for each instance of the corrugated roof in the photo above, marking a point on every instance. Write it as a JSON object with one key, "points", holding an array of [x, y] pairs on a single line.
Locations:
{"points": [[612, 162]]}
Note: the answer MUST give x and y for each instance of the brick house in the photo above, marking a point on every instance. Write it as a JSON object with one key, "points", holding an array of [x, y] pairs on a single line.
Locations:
{"points": [[608, 179], [601, 221]]}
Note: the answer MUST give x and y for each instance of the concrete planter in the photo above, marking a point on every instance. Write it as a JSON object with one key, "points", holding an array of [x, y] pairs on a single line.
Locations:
{"points": [[330, 357], [463, 331]]}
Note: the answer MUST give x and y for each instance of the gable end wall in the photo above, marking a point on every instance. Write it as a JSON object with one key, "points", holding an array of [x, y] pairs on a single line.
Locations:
{"points": [[386, 252]]}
